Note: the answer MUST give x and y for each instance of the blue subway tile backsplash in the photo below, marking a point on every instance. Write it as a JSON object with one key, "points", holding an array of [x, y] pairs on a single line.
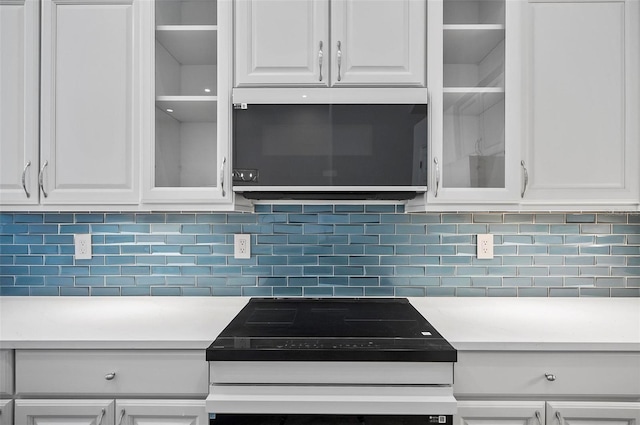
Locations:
{"points": [[322, 251]]}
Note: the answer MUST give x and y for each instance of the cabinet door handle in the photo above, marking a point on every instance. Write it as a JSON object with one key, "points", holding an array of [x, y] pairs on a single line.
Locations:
{"points": [[24, 177], [550, 377], [559, 417], [320, 55], [121, 417], [109, 376], [224, 161], [435, 161], [526, 178], [339, 55], [41, 178], [99, 422], [538, 417]]}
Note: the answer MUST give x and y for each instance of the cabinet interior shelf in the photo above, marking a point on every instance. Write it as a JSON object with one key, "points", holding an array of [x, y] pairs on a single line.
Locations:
{"points": [[469, 44], [471, 101], [189, 108], [190, 44]]}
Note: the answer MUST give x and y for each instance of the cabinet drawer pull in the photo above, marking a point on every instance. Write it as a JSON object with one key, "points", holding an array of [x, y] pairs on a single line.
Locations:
{"points": [[435, 161], [320, 55], [99, 422], [538, 417], [526, 179], [121, 416], [224, 162], [550, 377], [41, 178], [559, 417], [24, 176], [339, 55], [110, 376]]}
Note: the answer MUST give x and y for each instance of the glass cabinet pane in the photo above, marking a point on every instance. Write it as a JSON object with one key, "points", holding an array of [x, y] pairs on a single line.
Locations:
{"points": [[186, 89], [473, 94]]}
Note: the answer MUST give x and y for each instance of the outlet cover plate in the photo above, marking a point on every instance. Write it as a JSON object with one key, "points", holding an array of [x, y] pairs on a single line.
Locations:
{"points": [[485, 246], [82, 244], [242, 246]]}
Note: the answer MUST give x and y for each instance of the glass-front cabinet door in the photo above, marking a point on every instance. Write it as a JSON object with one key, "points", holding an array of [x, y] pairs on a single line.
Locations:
{"points": [[474, 146], [190, 144]]}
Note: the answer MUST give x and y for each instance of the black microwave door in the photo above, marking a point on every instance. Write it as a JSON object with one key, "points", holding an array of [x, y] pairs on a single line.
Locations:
{"points": [[331, 145], [375, 145], [288, 145]]}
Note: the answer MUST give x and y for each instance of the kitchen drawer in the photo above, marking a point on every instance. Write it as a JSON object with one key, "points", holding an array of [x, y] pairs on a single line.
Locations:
{"points": [[509, 373], [111, 372], [6, 372]]}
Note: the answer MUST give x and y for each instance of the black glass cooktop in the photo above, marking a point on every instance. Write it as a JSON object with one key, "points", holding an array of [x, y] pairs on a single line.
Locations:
{"points": [[330, 329]]}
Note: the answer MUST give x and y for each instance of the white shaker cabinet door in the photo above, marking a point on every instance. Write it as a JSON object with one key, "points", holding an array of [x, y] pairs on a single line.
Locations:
{"points": [[19, 64], [167, 412], [589, 413], [380, 42], [91, 108], [471, 412], [583, 95], [77, 412], [282, 42]]}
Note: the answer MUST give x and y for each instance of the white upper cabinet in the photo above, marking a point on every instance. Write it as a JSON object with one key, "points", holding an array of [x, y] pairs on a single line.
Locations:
{"points": [[91, 101], [583, 62], [19, 73], [282, 42], [379, 42], [186, 159], [330, 43], [474, 80]]}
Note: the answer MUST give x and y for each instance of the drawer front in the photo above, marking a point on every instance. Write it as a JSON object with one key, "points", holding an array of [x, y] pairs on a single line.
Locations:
{"points": [[602, 374], [6, 372], [111, 372]]}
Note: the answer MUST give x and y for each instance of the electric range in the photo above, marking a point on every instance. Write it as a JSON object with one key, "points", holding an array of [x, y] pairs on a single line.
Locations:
{"points": [[331, 356]]}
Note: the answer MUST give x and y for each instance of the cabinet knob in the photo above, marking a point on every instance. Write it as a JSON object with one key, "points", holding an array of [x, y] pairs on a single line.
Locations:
{"points": [[110, 376], [550, 377]]}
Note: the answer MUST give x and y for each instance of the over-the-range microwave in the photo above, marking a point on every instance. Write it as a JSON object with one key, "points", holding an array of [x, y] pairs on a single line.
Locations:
{"points": [[330, 143]]}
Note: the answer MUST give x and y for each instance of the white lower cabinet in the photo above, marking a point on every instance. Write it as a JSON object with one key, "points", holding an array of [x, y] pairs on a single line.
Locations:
{"points": [[6, 372], [79, 412], [129, 386], [601, 413], [110, 412], [499, 412], [168, 412], [547, 388], [549, 413]]}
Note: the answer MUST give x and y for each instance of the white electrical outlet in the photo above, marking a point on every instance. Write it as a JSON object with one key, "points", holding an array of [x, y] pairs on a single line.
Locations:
{"points": [[242, 246], [82, 243], [485, 246]]}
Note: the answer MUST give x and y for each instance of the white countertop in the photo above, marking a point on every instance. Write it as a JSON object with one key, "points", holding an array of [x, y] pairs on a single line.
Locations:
{"points": [[580, 324]]}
